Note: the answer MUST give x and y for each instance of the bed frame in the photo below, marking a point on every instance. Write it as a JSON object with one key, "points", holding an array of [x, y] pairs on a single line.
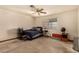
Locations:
{"points": [[29, 34]]}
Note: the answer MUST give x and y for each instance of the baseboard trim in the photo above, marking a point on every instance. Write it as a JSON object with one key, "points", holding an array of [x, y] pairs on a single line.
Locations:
{"points": [[8, 39]]}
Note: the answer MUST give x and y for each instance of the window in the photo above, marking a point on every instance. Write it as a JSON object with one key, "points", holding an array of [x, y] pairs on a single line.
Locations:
{"points": [[53, 23]]}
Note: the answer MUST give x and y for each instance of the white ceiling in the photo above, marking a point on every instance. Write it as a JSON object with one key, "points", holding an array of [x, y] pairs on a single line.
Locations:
{"points": [[50, 9]]}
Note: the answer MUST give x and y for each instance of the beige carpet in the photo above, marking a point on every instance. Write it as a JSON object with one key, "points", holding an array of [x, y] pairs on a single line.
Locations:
{"points": [[39, 45]]}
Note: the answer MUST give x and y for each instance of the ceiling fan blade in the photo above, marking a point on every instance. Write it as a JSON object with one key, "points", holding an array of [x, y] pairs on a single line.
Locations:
{"points": [[32, 6], [44, 12], [41, 9]]}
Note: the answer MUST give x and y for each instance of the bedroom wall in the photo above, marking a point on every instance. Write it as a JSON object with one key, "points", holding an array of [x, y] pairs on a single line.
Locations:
{"points": [[66, 19], [78, 22], [10, 21]]}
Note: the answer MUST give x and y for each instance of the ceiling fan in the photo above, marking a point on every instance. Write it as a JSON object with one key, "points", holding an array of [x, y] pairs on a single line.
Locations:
{"points": [[37, 10]]}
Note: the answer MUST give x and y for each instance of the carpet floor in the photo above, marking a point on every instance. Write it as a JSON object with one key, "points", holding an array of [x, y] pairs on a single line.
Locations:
{"points": [[39, 45]]}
